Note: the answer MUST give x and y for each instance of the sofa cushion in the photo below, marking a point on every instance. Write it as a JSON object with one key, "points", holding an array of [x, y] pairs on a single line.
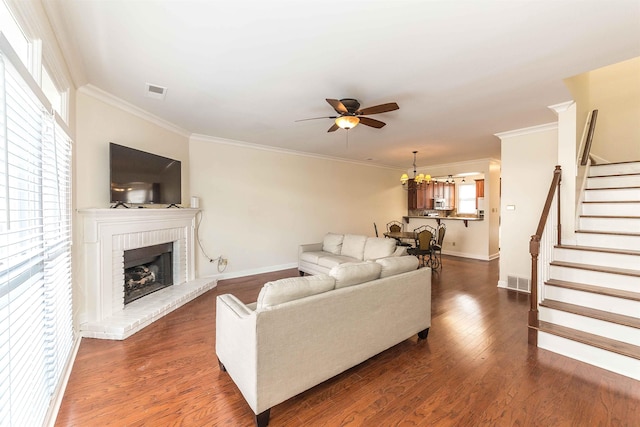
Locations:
{"points": [[313, 257], [330, 261], [284, 290], [353, 246], [332, 243], [353, 273], [379, 247], [396, 265]]}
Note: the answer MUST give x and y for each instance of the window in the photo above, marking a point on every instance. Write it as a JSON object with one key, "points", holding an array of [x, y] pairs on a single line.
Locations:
{"points": [[14, 34], [51, 91], [36, 331], [467, 198]]}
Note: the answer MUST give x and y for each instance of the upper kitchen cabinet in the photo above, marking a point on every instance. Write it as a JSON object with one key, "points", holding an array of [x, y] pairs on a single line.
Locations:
{"points": [[420, 196]]}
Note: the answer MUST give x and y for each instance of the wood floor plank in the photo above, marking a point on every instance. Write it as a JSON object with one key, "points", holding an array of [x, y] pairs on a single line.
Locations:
{"points": [[475, 368]]}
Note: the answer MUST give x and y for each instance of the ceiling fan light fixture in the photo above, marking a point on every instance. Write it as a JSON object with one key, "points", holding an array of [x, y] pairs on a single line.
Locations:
{"points": [[347, 122]]}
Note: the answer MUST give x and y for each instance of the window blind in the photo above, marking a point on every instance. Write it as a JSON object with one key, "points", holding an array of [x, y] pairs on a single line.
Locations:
{"points": [[36, 330]]}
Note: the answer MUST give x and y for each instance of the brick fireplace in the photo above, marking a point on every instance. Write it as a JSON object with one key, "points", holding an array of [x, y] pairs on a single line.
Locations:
{"points": [[106, 235]]}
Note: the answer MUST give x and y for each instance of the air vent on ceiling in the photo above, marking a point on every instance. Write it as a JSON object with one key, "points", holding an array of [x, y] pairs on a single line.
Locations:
{"points": [[155, 91]]}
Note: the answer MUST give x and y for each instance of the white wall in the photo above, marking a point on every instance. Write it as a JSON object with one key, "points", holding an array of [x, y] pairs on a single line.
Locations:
{"points": [[101, 119], [528, 159], [258, 205], [615, 92]]}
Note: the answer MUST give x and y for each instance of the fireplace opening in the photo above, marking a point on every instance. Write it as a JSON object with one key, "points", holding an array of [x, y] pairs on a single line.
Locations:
{"points": [[147, 270]]}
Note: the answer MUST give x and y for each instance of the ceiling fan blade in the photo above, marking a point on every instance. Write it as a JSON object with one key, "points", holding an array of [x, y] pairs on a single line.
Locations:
{"points": [[382, 108], [371, 122], [333, 128], [338, 106], [316, 118]]}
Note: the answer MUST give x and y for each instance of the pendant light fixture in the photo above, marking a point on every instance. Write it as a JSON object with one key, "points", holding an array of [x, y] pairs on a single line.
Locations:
{"points": [[419, 179]]}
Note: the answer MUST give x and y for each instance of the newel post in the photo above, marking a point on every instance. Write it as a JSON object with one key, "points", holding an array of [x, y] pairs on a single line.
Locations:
{"points": [[534, 249]]}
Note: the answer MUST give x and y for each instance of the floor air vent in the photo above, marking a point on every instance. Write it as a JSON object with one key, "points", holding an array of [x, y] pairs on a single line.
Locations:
{"points": [[518, 283]]}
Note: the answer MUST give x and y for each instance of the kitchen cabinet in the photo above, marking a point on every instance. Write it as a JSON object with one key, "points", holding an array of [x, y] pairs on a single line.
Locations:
{"points": [[479, 190], [420, 196], [446, 191]]}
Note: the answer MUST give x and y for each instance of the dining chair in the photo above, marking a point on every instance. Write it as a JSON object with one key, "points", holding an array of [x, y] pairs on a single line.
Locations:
{"points": [[437, 246], [394, 226], [423, 249]]}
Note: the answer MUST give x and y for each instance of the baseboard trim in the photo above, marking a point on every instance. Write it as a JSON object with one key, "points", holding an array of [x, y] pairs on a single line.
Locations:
{"points": [[253, 271], [56, 399]]}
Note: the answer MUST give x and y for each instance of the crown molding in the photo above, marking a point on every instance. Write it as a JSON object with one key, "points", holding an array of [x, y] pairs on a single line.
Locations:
{"points": [[114, 101], [527, 131], [561, 107]]}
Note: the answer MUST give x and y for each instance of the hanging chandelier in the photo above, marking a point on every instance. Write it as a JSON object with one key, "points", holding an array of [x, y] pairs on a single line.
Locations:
{"points": [[417, 179]]}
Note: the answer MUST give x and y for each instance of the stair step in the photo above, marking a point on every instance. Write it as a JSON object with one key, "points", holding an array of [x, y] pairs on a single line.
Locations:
{"points": [[611, 194], [614, 168], [597, 256], [598, 268], [619, 207], [604, 239], [606, 316], [610, 223], [594, 289], [598, 341], [597, 249], [613, 181]]}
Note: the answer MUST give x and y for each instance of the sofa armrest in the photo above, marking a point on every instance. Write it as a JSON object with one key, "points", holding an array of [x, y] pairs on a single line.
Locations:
{"points": [[236, 306], [310, 247], [236, 345]]}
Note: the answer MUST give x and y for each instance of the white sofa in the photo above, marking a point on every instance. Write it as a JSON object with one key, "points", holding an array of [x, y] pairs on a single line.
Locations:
{"points": [[305, 330], [336, 249]]}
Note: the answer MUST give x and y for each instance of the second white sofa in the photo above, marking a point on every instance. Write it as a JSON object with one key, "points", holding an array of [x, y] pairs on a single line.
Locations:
{"points": [[336, 249]]}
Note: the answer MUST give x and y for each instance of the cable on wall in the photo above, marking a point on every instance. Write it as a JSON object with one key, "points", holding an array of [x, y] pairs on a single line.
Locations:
{"points": [[220, 260]]}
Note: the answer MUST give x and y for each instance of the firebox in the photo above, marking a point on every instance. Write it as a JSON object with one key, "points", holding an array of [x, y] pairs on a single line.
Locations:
{"points": [[147, 270]]}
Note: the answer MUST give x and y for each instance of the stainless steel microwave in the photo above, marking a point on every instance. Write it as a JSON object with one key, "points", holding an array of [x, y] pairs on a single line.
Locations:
{"points": [[439, 203]]}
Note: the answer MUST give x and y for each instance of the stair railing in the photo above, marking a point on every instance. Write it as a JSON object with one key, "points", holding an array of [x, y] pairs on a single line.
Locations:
{"points": [[591, 122], [541, 250]]}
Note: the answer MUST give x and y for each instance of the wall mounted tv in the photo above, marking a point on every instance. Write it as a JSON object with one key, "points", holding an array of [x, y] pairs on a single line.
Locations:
{"points": [[138, 177]]}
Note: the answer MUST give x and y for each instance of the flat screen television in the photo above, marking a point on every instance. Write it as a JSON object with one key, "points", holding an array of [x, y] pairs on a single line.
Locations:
{"points": [[138, 177]]}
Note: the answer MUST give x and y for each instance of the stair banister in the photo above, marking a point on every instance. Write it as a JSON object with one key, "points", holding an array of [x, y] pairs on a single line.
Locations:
{"points": [[534, 249], [593, 116]]}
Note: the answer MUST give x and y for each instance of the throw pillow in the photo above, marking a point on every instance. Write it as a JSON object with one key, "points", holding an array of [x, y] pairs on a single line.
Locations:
{"points": [[353, 246], [353, 273], [396, 265], [332, 243], [284, 290]]}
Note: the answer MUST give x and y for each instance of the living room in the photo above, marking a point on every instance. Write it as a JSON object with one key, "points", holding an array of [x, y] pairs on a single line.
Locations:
{"points": [[259, 203]]}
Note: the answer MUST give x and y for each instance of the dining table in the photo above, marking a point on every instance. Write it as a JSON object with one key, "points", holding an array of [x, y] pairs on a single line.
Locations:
{"points": [[401, 235]]}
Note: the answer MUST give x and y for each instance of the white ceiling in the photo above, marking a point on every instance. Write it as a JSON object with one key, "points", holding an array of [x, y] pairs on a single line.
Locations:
{"points": [[246, 70]]}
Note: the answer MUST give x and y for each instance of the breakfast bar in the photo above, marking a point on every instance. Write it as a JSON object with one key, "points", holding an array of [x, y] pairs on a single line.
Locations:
{"points": [[465, 219]]}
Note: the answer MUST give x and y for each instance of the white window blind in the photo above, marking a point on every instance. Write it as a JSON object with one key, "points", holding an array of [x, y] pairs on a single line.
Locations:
{"points": [[36, 331]]}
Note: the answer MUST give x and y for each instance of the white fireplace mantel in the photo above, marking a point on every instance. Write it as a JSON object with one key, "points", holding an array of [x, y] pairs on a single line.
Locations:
{"points": [[106, 234]]}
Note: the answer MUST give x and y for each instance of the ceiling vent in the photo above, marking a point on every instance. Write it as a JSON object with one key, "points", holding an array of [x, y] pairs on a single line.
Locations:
{"points": [[155, 91]]}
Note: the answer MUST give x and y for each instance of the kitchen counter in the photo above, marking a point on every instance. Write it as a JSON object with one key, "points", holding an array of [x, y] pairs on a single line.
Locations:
{"points": [[466, 219]]}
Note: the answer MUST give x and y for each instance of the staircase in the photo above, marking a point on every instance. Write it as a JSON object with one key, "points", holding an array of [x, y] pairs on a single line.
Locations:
{"points": [[590, 308]]}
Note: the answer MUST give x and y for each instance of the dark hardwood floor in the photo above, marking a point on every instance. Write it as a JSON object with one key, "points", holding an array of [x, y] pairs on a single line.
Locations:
{"points": [[475, 369]]}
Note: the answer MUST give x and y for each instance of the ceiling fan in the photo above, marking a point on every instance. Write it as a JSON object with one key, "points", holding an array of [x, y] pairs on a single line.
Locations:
{"points": [[350, 114]]}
